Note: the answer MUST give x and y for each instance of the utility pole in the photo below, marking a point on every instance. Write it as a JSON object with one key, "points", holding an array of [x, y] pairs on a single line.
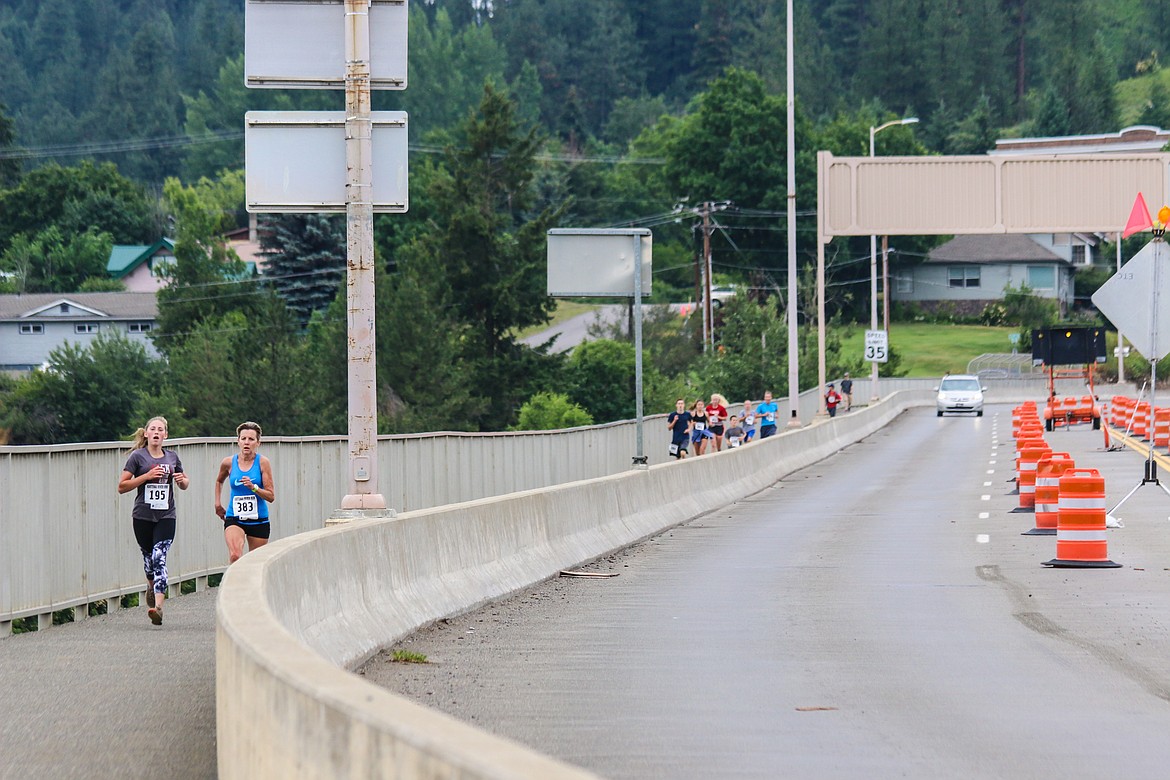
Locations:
{"points": [[698, 282], [708, 320], [886, 286]]}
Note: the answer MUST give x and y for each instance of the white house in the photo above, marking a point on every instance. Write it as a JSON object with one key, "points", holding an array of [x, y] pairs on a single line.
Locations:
{"points": [[967, 273], [32, 325]]}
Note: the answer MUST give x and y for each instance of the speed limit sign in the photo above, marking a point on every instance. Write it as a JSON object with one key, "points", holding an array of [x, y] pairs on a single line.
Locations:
{"points": [[877, 349]]}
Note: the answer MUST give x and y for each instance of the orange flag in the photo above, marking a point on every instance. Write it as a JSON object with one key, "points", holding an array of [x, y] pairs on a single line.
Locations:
{"points": [[1139, 218]]}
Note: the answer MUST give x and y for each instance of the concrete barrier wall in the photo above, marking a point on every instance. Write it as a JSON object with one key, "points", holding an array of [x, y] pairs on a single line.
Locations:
{"points": [[293, 616]]}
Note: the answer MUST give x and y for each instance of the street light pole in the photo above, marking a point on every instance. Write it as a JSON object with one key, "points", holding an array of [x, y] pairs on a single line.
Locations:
{"points": [[873, 271], [793, 342]]}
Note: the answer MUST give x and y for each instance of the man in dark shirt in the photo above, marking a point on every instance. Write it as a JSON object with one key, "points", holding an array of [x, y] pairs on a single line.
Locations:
{"points": [[679, 423], [847, 391]]}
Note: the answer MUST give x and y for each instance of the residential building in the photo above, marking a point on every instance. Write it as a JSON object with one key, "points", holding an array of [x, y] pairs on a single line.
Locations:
{"points": [[141, 267], [33, 325], [967, 273]]}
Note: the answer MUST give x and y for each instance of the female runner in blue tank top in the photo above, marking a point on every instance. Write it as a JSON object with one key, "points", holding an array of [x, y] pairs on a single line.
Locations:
{"points": [[249, 476]]}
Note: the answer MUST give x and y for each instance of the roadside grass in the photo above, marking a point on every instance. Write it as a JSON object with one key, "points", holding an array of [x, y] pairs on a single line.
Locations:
{"points": [[566, 310], [408, 657], [931, 350]]}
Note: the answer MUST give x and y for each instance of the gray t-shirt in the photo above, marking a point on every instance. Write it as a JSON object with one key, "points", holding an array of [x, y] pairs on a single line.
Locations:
{"points": [[155, 500]]}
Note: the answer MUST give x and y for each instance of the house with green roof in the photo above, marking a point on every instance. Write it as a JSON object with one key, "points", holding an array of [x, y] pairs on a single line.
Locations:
{"points": [[140, 267]]}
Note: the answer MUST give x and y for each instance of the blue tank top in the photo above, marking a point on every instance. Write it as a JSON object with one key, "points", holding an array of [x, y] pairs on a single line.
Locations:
{"points": [[238, 488]]}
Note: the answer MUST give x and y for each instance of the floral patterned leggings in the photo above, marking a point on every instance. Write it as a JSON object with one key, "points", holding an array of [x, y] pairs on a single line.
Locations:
{"points": [[154, 541]]}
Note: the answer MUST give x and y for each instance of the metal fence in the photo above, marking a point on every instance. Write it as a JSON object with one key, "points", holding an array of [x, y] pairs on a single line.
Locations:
{"points": [[66, 539]]}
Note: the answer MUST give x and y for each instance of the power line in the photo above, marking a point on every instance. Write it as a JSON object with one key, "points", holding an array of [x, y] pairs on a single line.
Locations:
{"points": [[223, 136]]}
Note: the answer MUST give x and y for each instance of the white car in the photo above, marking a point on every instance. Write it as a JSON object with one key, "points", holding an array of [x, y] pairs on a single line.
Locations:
{"points": [[960, 393], [721, 294]]}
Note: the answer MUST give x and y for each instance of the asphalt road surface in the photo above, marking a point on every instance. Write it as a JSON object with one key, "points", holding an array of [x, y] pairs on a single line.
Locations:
{"points": [[112, 696], [574, 330], [879, 614]]}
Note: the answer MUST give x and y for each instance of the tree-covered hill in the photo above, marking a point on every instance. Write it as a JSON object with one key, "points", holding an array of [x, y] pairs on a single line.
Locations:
{"points": [[128, 80], [122, 120]]}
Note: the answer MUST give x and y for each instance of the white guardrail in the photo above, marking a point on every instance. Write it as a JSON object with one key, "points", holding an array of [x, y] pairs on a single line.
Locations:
{"points": [[66, 539], [294, 616]]}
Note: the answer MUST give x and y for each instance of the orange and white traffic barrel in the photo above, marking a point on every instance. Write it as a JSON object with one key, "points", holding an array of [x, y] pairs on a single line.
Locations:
{"points": [[1122, 411], [1080, 523], [1048, 471], [1141, 421], [1026, 475], [1161, 433], [1026, 440]]}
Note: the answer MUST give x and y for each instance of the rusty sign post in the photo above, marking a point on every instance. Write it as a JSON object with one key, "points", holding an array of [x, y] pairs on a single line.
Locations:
{"points": [[314, 63]]}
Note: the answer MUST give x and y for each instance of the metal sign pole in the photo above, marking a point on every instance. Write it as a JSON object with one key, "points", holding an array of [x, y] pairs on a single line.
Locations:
{"points": [[359, 213], [639, 457]]}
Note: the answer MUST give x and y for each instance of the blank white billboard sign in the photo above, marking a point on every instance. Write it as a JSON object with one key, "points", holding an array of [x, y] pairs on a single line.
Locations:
{"points": [[300, 44], [295, 161], [586, 262], [865, 196]]}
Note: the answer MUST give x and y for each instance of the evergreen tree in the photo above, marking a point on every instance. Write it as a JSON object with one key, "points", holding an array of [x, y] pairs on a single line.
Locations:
{"points": [[1156, 112], [448, 65], [1096, 111], [890, 58], [963, 52], [306, 256], [140, 79], [712, 52], [215, 33], [489, 258], [526, 93], [977, 133], [1052, 119], [667, 30], [9, 166], [18, 89], [56, 58]]}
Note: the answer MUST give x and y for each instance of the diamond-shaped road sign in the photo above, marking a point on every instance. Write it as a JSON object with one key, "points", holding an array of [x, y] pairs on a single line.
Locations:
{"points": [[1136, 300]]}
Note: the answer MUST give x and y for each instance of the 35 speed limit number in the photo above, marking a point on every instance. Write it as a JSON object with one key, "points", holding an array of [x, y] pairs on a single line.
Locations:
{"points": [[877, 348]]}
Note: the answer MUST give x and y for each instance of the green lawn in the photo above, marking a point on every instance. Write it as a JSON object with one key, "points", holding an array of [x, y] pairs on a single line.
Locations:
{"points": [[929, 349]]}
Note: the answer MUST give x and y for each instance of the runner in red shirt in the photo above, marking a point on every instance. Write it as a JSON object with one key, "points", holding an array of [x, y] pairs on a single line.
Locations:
{"points": [[832, 398], [716, 417]]}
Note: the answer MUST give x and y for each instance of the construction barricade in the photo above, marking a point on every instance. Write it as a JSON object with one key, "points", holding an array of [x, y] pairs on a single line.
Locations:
{"points": [[1123, 409], [1160, 430], [1030, 455], [1048, 471], [1080, 524], [1141, 421]]}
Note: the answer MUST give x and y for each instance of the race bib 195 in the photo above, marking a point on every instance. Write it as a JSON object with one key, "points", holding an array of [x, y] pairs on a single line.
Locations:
{"points": [[158, 495]]}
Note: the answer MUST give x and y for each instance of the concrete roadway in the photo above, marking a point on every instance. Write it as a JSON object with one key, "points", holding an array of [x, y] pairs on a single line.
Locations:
{"points": [[878, 614], [846, 622], [112, 696]]}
